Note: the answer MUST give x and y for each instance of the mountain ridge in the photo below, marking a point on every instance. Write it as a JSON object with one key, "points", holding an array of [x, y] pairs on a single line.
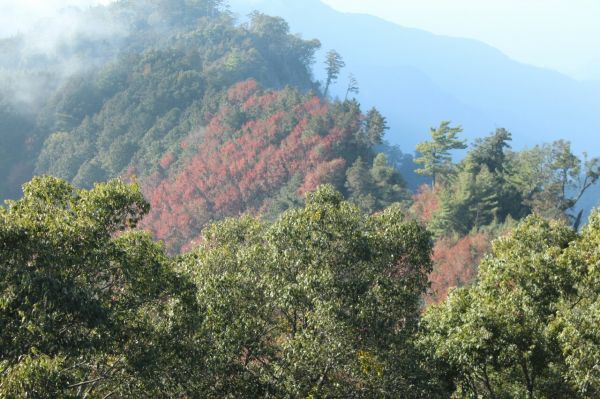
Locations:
{"points": [[491, 89]]}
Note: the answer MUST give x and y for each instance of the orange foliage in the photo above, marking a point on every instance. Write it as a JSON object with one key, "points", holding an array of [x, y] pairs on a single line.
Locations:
{"points": [[324, 173], [425, 204], [456, 263], [239, 169], [167, 160]]}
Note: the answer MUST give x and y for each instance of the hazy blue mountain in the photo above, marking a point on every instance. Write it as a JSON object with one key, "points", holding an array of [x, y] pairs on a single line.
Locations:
{"points": [[418, 79]]}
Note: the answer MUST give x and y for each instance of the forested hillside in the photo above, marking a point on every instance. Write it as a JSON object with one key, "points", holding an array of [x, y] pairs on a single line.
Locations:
{"points": [[260, 153], [145, 81], [215, 119], [202, 219]]}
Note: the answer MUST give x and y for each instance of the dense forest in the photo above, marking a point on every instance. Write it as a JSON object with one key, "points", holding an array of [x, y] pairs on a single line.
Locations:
{"points": [[199, 218]]}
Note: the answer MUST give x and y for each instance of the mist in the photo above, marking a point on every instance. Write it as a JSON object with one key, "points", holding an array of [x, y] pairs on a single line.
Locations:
{"points": [[43, 44], [20, 16]]}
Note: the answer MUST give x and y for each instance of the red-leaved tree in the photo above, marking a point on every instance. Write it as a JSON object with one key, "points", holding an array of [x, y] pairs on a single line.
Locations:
{"points": [[456, 263], [252, 147]]}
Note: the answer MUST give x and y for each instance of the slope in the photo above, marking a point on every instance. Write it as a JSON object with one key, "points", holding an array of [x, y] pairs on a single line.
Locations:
{"points": [[213, 118], [417, 79]]}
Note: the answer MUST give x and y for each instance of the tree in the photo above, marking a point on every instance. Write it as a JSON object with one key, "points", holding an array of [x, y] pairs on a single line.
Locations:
{"points": [[376, 125], [552, 179], [375, 188], [352, 86], [481, 189], [493, 338], [492, 154], [360, 186], [88, 306], [578, 316], [469, 203], [389, 187], [435, 154], [320, 303], [334, 64], [490, 151]]}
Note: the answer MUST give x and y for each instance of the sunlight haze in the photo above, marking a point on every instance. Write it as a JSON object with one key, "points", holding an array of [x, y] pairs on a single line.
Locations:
{"points": [[562, 35]]}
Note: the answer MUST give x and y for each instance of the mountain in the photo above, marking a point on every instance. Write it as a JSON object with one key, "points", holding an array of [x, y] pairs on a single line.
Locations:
{"points": [[416, 79], [215, 118], [212, 118], [87, 82]]}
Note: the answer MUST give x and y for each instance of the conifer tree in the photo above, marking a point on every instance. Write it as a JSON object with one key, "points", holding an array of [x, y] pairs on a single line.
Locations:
{"points": [[435, 154], [334, 64], [352, 86], [376, 126]]}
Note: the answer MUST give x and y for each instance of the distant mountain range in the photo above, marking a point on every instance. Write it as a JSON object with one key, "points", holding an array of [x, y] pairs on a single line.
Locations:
{"points": [[416, 79]]}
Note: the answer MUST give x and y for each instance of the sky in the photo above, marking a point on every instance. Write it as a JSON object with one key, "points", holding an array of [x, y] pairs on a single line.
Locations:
{"points": [[556, 34]]}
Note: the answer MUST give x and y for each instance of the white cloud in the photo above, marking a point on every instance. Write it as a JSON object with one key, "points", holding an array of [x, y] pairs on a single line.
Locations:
{"points": [[17, 16]]}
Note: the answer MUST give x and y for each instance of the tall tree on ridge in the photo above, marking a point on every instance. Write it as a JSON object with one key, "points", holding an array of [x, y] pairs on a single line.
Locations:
{"points": [[352, 86], [334, 64]]}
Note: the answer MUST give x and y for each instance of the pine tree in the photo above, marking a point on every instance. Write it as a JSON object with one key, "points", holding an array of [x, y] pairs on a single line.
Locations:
{"points": [[334, 64], [352, 86], [376, 125], [435, 154]]}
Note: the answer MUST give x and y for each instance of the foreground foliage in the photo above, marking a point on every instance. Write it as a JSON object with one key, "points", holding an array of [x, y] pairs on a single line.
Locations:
{"points": [[529, 326], [88, 306], [323, 302]]}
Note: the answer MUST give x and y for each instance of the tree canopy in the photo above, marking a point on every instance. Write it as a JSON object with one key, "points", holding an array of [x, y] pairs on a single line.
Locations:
{"points": [[322, 302], [88, 306], [519, 330]]}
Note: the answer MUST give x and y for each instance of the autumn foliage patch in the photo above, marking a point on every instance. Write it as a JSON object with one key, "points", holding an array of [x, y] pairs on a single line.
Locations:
{"points": [[252, 147]]}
